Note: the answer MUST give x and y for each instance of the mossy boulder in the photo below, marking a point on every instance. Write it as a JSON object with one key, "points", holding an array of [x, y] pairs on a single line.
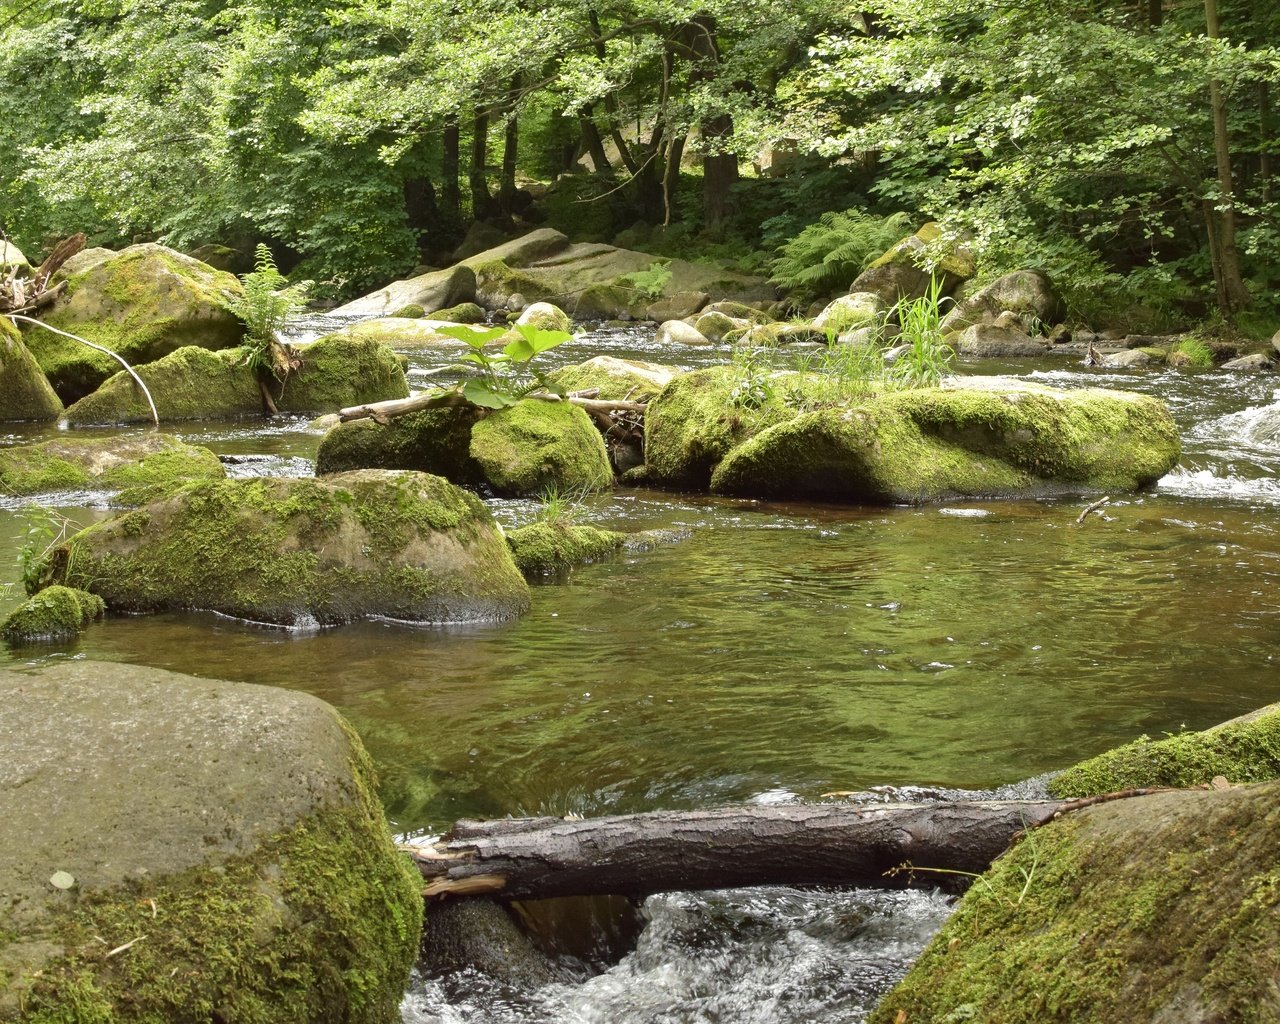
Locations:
{"points": [[68, 463], [615, 379], [222, 852], [432, 441], [541, 548], [143, 303], [294, 552], [694, 422], [1028, 293], [1245, 749], [546, 317], [462, 313], [611, 302], [534, 446], [677, 332], [53, 614], [193, 383], [1003, 439], [857, 309], [25, 392], [1160, 908], [497, 282]]}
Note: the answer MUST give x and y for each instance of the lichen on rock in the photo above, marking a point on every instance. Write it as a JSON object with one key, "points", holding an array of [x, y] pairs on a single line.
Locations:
{"points": [[296, 551]]}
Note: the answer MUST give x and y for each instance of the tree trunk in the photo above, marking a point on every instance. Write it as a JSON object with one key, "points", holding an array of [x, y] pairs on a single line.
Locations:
{"points": [[1232, 293], [593, 144], [719, 175], [610, 101], [510, 154], [639, 854], [481, 200], [1266, 140], [450, 193]]}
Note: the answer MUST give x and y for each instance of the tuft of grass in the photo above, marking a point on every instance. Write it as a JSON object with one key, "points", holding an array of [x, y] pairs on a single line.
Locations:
{"points": [[928, 357]]}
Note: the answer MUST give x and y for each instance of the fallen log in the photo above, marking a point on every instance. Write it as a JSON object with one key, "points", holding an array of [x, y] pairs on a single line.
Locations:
{"points": [[882, 846], [383, 412]]}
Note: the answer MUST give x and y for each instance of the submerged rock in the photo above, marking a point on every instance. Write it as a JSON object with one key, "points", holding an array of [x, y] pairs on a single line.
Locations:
{"points": [[142, 302], [192, 383], [1245, 749], [1001, 439], [551, 547], [1156, 908], [68, 463], [53, 614], [296, 552], [180, 849], [25, 392]]}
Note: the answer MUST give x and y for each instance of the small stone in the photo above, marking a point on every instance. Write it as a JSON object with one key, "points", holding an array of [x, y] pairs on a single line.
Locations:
{"points": [[62, 880]]}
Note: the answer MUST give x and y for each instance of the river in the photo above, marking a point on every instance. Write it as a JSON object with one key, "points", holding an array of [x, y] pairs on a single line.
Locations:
{"points": [[773, 652]]}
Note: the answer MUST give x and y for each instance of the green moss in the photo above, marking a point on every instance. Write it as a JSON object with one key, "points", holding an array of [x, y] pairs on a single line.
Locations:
{"points": [[433, 441], [69, 463], [25, 392], [534, 446], [693, 424], [1243, 750], [53, 614], [340, 370], [143, 303], [410, 312], [609, 301], [320, 924], [1161, 908], [494, 278], [404, 545], [462, 313], [547, 548], [615, 379]]}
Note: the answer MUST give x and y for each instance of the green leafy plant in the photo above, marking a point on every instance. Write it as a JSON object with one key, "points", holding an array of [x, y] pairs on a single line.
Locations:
{"points": [[267, 303], [828, 255], [45, 530], [650, 282], [505, 375], [927, 358], [753, 368]]}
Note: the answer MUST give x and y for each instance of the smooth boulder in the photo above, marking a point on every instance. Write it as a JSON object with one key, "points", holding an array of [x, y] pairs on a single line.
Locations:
{"points": [[70, 463], [25, 392], [612, 378], [1028, 293], [301, 552], [142, 303], [992, 438], [181, 849]]}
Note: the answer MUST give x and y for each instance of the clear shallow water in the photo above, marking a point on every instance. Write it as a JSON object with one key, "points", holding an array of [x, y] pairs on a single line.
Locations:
{"points": [[781, 651]]}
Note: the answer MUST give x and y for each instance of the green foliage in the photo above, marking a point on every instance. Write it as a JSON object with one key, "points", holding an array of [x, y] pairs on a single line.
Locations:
{"points": [[650, 282], [45, 530], [265, 305], [505, 375], [1195, 353], [753, 370], [827, 256], [927, 358]]}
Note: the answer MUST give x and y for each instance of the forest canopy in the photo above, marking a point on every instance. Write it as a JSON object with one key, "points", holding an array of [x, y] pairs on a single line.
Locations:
{"points": [[1126, 148]]}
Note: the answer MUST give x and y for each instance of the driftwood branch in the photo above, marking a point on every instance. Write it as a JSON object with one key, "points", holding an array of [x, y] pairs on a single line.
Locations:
{"points": [[21, 294], [1094, 507], [639, 854], [384, 412], [114, 355]]}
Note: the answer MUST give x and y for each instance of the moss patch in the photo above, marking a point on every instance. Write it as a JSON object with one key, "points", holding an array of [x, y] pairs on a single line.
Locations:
{"points": [[1245, 749], [534, 445], [433, 441], [340, 370], [25, 392], [547, 548], [115, 462], [496, 282], [462, 313], [404, 545], [1158, 908], [53, 614]]}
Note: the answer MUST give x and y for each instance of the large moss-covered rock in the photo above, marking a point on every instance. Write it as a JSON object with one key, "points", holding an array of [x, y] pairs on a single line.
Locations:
{"points": [[432, 441], [1245, 749], [431, 291], [694, 423], [180, 849], [551, 547], [367, 543], [67, 463], [1029, 293], [1161, 909], [534, 446], [193, 383], [1002, 439], [615, 379], [25, 392], [53, 614], [143, 303]]}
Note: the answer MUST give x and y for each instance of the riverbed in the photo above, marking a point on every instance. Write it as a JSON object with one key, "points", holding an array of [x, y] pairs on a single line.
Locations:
{"points": [[768, 652]]}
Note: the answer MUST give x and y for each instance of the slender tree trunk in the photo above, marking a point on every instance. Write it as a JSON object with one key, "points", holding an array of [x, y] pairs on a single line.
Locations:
{"points": [[1154, 12], [593, 144], [671, 179], [719, 175], [510, 155], [611, 102], [450, 165], [421, 211], [481, 200], [1266, 140], [1232, 293]]}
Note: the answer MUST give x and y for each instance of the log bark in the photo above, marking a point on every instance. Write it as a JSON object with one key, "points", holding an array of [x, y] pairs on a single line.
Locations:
{"points": [[640, 854]]}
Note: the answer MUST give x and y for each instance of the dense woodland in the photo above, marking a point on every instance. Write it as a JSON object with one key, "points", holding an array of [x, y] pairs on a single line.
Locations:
{"points": [[1128, 148]]}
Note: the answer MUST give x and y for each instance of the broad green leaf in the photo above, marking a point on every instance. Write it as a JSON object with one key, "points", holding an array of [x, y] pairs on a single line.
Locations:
{"points": [[476, 337], [480, 394]]}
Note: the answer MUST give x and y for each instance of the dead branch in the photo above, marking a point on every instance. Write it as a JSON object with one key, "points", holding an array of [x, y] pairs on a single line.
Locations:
{"points": [[384, 412]]}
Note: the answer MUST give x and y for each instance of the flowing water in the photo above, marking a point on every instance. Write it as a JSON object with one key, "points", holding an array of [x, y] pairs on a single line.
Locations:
{"points": [[772, 652]]}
